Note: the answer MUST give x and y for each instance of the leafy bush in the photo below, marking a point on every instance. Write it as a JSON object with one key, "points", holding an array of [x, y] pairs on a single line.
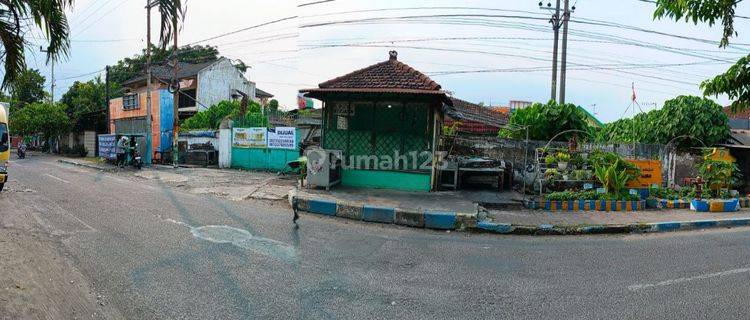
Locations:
{"points": [[546, 120], [212, 117]]}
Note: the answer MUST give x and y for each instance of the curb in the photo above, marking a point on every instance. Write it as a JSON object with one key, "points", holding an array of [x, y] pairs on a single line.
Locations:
{"points": [[547, 229], [86, 165], [438, 220]]}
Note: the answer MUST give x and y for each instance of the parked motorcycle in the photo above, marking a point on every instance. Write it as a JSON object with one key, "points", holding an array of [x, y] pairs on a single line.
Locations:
{"points": [[21, 152]]}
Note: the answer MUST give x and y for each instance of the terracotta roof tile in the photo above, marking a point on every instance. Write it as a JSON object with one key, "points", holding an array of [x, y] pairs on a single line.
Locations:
{"points": [[737, 115], [388, 75]]}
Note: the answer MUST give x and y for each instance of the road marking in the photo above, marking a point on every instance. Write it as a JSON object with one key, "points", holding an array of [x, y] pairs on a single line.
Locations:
{"points": [[688, 279], [56, 178]]}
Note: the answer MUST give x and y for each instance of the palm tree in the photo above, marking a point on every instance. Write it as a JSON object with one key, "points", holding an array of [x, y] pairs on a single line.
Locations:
{"points": [[18, 17]]}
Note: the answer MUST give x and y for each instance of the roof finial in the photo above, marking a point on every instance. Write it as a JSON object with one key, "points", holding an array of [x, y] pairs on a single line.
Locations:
{"points": [[393, 55]]}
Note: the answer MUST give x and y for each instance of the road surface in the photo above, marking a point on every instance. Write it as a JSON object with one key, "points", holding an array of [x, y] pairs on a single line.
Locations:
{"points": [[125, 247]]}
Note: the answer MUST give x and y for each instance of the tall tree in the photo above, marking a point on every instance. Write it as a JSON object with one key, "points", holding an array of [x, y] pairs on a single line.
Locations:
{"points": [[28, 87], [735, 83]]}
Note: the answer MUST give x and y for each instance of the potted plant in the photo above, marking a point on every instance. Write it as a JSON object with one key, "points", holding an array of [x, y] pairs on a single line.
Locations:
{"points": [[551, 174], [562, 160], [549, 160]]}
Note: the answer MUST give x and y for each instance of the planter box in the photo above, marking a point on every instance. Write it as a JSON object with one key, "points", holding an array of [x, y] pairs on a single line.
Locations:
{"points": [[674, 204], [588, 205], [715, 205]]}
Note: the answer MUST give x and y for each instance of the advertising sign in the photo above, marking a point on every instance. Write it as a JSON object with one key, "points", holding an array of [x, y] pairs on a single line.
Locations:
{"points": [[282, 138], [249, 137]]}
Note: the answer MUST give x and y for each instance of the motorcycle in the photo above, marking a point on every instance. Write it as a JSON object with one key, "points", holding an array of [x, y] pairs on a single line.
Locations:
{"points": [[137, 160], [21, 152]]}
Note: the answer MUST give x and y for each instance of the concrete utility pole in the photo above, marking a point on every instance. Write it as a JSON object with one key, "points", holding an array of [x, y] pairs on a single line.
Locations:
{"points": [[566, 18], [52, 82], [555, 21], [149, 116], [106, 98], [175, 145]]}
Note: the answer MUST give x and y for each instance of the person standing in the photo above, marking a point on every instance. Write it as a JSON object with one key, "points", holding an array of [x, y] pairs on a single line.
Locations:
{"points": [[122, 144]]}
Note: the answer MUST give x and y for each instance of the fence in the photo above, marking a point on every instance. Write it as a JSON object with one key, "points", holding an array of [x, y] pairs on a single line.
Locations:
{"points": [[675, 165]]}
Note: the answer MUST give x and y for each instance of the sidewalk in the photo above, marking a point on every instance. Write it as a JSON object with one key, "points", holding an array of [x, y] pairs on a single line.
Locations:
{"points": [[236, 185]]}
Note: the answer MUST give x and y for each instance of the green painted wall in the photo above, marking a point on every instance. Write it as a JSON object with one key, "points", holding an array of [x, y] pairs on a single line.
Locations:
{"points": [[405, 181], [264, 158]]}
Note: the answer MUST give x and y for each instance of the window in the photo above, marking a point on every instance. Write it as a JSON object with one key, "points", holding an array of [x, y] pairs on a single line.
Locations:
{"points": [[4, 145], [130, 101]]}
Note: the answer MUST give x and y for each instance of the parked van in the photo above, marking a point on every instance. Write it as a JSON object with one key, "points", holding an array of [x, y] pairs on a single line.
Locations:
{"points": [[4, 146]]}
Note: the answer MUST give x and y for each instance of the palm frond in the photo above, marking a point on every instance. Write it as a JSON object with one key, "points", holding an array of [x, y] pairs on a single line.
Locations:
{"points": [[172, 13]]}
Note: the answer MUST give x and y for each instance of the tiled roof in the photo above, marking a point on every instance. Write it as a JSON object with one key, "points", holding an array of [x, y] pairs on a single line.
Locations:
{"points": [[476, 118], [737, 115], [164, 71], [389, 76], [262, 94]]}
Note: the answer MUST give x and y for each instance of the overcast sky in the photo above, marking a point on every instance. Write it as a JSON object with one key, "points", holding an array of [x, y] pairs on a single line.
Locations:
{"points": [[439, 38]]}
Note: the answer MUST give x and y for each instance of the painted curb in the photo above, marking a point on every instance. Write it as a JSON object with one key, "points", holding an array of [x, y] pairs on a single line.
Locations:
{"points": [[438, 220], [547, 229]]}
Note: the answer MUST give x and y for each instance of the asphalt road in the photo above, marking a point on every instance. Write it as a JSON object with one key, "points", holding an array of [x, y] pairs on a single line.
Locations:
{"points": [[158, 252]]}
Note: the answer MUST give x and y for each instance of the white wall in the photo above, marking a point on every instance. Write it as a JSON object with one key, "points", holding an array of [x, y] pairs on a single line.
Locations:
{"points": [[217, 83]]}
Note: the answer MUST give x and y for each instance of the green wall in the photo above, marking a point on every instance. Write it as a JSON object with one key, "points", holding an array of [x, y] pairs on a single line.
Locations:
{"points": [[405, 181], [264, 158]]}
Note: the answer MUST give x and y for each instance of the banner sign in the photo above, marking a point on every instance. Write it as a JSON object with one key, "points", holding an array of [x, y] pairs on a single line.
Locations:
{"points": [[249, 137], [282, 138]]}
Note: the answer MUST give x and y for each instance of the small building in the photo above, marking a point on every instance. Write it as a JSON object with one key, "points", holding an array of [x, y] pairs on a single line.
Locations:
{"points": [[476, 119], [262, 97], [201, 86], [386, 120]]}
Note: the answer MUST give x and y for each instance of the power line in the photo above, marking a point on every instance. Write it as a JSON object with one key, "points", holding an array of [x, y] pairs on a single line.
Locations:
{"points": [[314, 3], [243, 29], [100, 18], [82, 75]]}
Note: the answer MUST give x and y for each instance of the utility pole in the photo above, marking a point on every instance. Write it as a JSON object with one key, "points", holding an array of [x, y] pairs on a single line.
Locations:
{"points": [[52, 82], [175, 145], [566, 18], [555, 21], [149, 116], [106, 98]]}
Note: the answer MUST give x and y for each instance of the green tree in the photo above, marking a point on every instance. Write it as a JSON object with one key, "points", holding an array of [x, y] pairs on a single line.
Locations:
{"points": [[544, 121], [273, 104], [692, 116], [28, 87], [84, 99], [48, 119], [735, 82]]}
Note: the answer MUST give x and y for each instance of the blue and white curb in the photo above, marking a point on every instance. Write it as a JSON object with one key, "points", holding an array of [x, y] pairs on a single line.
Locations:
{"points": [[544, 229], [439, 220]]}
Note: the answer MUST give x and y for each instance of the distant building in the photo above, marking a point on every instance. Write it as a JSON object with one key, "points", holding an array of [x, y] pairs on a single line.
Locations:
{"points": [[517, 104], [262, 97], [201, 86], [476, 119]]}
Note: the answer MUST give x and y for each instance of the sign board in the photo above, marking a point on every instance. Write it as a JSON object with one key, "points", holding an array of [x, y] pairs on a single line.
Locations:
{"points": [[650, 173], [601, 190], [282, 138], [588, 186], [249, 137], [107, 146]]}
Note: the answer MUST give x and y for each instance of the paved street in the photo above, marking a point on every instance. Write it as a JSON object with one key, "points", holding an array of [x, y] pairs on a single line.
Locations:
{"points": [[146, 250]]}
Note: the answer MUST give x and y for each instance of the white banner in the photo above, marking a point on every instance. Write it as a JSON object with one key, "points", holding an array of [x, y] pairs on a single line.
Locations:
{"points": [[249, 137], [282, 138]]}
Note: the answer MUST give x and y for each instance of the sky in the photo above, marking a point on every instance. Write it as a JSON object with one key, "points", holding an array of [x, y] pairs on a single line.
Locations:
{"points": [[480, 51]]}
